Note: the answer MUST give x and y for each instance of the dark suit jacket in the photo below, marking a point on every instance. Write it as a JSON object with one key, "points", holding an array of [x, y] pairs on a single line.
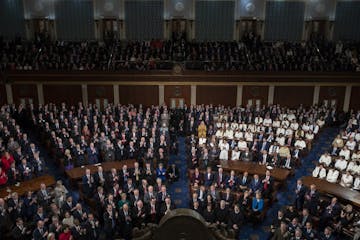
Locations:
{"points": [[255, 186], [37, 235], [209, 180], [228, 199]]}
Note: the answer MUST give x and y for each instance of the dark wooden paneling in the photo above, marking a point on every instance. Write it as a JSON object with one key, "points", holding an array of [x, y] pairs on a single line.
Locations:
{"points": [[183, 91], [146, 95], [3, 99], [189, 76], [224, 95], [294, 96], [355, 99], [330, 92], [70, 94], [24, 91], [255, 92], [100, 91]]}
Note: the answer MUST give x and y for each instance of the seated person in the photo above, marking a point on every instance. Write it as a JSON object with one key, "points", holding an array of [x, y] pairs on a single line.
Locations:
{"points": [[161, 172], [235, 154], [319, 172], [325, 159], [332, 175], [247, 156], [236, 218], [345, 152], [173, 173], [357, 183], [347, 180], [232, 181], [341, 163], [257, 206], [197, 177]]}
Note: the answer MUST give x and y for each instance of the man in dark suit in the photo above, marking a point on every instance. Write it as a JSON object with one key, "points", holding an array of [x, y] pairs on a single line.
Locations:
{"points": [[332, 211], [247, 156], [99, 177], [228, 197], [43, 196], [220, 178], [268, 182], [112, 178], [92, 154], [255, 184], [92, 227], [264, 158], [25, 170], [209, 177], [166, 207], [236, 219], [244, 181], [172, 173], [309, 233], [19, 232], [327, 234], [300, 191], [38, 164], [88, 183], [126, 221], [312, 199], [40, 232], [139, 215], [110, 220], [222, 214], [304, 218], [153, 211]]}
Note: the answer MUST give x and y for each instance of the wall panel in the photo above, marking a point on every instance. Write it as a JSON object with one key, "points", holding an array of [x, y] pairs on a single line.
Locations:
{"points": [[294, 96], [330, 92], [355, 100], [3, 98], [347, 21], [255, 92], [284, 20], [100, 91], [74, 20], [214, 20], [146, 95], [12, 22], [183, 91], [70, 94], [24, 91], [224, 95], [144, 20]]}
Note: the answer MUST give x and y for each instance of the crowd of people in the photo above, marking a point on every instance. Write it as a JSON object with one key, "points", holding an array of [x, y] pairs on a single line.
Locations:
{"points": [[341, 164], [131, 197], [248, 54], [273, 136], [137, 196], [20, 157]]}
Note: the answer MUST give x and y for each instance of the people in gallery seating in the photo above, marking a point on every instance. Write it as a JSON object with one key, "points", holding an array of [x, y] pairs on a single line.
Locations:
{"points": [[240, 55]]}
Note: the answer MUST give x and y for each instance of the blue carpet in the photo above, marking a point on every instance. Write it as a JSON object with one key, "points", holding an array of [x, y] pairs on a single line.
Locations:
{"points": [[179, 191], [285, 196]]}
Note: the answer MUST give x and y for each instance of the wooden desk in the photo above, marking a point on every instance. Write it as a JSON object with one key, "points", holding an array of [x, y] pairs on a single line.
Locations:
{"points": [[334, 189], [79, 172], [30, 185], [279, 174]]}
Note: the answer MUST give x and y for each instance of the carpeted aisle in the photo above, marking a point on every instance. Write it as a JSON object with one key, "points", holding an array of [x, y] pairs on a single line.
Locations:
{"points": [[179, 191], [285, 195]]}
